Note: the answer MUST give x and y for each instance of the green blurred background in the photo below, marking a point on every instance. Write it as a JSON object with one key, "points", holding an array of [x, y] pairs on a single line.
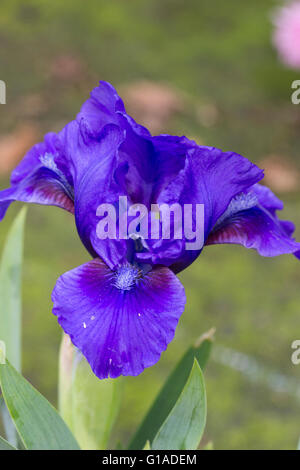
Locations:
{"points": [[201, 68]]}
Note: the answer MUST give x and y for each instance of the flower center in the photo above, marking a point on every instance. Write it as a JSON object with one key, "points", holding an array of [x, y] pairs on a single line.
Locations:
{"points": [[126, 276]]}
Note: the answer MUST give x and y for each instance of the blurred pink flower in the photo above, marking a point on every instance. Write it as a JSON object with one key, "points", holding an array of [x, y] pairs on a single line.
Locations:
{"points": [[286, 36]]}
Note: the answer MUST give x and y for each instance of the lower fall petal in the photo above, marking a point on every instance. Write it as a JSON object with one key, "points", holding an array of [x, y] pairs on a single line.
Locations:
{"points": [[120, 320]]}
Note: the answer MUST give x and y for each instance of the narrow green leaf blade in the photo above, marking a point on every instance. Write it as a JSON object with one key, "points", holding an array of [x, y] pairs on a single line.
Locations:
{"points": [[95, 406], [147, 446], [38, 423], [4, 445], [10, 301], [10, 290], [185, 425], [8, 425], [88, 405], [171, 390]]}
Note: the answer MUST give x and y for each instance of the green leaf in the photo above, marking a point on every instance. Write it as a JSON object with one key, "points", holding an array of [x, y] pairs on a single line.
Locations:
{"points": [[171, 390], [183, 428], [88, 405], [4, 445], [10, 290], [147, 446], [10, 311], [8, 425], [38, 423]]}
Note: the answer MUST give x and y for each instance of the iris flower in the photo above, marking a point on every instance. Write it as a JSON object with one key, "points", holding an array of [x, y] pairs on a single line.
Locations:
{"points": [[121, 308]]}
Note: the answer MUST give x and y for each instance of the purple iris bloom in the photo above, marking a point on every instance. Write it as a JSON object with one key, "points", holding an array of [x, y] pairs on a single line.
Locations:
{"points": [[121, 308]]}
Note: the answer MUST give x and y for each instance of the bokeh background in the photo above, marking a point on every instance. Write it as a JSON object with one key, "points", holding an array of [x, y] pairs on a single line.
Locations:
{"points": [[206, 69]]}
